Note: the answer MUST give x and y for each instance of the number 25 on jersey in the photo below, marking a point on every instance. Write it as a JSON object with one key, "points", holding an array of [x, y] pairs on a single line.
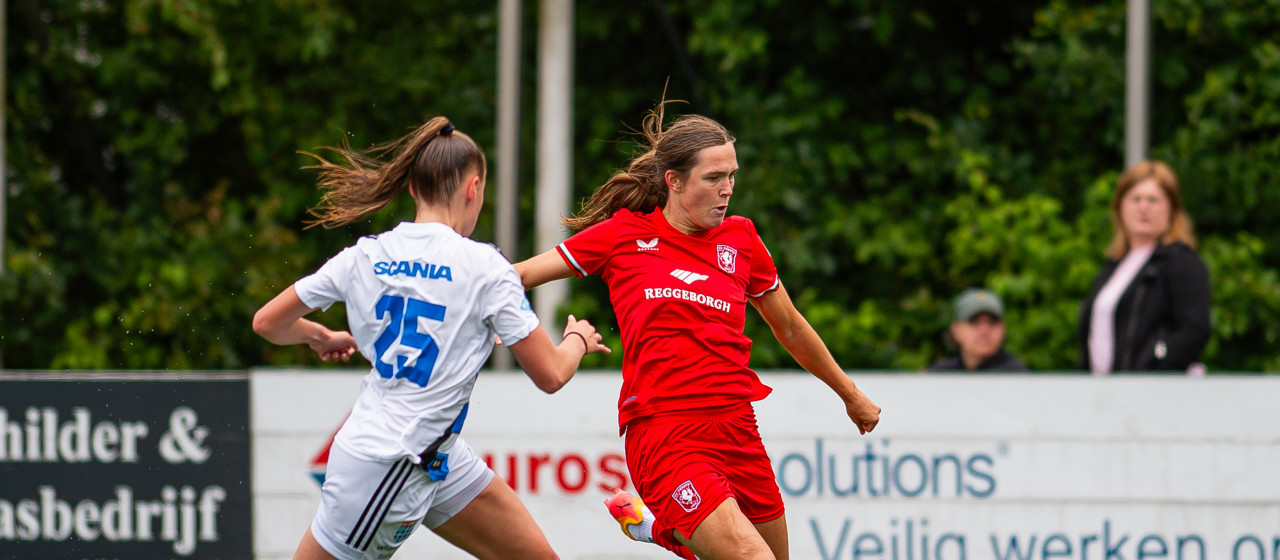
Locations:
{"points": [[404, 327]]}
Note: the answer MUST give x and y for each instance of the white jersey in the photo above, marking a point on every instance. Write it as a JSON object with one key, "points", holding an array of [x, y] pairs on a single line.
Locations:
{"points": [[423, 304]]}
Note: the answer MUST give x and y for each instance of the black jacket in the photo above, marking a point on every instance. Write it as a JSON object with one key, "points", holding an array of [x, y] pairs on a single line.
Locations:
{"points": [[1000, 361], [1162, 319]]}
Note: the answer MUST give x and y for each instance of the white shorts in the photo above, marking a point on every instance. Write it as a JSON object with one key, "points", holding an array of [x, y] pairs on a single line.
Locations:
{"points": [[368, 508]]}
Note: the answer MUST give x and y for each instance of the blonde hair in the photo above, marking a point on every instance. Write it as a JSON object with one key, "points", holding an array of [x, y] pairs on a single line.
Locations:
{"points": [[641, 187], [1180, 228], [433, 160]]}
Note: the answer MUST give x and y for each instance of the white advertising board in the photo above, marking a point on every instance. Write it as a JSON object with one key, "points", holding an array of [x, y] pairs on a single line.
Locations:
{"points": [[962, 467]]}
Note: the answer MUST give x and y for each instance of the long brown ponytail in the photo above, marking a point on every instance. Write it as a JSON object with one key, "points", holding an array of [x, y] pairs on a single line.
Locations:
{"points": [[433, 159], [641, 187]]}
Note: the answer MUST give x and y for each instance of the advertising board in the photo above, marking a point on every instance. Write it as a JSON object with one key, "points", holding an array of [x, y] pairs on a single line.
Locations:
{"points": [[125, 466], [962, 467]]}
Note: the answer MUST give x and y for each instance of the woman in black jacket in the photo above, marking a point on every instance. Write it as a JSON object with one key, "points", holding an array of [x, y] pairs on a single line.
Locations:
{"points": [[1149, 306]]}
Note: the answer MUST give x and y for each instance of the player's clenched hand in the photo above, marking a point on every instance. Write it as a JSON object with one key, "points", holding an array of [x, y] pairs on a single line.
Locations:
{"points": [[580, 327], [864, 413], [335, 345]]}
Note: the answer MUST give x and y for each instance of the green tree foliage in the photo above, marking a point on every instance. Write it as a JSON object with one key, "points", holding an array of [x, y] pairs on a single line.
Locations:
{"points": [[156, 198], [892, 153]]}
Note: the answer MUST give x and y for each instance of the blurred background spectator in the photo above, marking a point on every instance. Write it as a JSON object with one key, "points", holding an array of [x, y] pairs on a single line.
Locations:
{"points": [[977, 329], [1149, 305]]}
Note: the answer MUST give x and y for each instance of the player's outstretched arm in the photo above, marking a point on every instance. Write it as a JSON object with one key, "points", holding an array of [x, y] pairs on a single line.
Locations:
{"points": [[538, 270], [798, 337], [551, 366], [281, 321]]}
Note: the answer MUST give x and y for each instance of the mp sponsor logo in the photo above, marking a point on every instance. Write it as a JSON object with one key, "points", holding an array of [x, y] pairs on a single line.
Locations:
{"points": [[650, 245], [688, 277]]}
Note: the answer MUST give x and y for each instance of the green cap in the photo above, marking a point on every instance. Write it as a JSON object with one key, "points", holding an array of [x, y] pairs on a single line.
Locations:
{"points": [[973, 301]]}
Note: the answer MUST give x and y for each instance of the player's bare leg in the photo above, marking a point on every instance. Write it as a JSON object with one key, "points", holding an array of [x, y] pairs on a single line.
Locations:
{"points": [[309, 549], [775, 533], [727, 534], [497, 526]]}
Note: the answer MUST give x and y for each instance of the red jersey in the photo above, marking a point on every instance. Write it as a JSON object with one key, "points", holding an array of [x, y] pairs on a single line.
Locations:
{"points": [[681, 303]]}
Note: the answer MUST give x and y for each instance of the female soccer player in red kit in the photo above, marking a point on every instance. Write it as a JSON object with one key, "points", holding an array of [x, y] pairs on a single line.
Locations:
{"points": [[680, 273]]}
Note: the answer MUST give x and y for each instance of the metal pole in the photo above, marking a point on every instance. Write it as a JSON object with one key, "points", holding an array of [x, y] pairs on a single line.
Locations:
{"points": [[4, 186], [1137, 96], [555, 145], [507, 165]]}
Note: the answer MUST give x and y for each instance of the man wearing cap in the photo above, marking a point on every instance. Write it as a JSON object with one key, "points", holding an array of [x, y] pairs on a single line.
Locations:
{"points": [[977, 327]]}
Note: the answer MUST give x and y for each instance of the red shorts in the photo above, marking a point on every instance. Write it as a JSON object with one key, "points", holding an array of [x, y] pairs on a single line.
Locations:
{"points": [[686, 464]]}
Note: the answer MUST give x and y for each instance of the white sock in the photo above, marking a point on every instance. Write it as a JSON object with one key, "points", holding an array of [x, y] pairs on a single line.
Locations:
{"points": [[643, 531]]}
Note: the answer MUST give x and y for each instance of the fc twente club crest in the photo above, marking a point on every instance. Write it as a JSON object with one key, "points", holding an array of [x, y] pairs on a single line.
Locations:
{"points": [[727, 258]]}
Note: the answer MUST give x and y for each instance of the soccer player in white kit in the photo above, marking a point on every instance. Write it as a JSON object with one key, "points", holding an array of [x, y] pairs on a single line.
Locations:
{"points": [[424, 303]]}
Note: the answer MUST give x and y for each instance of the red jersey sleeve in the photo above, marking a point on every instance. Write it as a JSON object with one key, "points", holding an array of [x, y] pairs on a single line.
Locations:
{"points": [[587, 251], [764, 273]]}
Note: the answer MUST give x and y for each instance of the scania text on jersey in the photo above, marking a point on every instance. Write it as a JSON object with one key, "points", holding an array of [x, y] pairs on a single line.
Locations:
{"points": [[179, 516], [409, 268], [687, 295]]}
